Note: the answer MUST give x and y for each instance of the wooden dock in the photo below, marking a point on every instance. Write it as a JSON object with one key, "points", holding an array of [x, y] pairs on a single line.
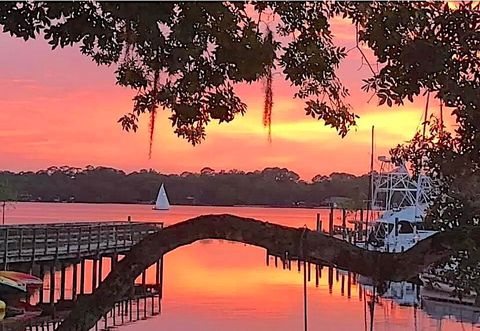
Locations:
{"points": [[37, 243], [48, 250]]}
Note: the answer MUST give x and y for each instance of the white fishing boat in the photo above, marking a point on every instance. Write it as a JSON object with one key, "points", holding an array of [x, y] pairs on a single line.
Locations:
{"points": [[402, 202], [162, 202]]}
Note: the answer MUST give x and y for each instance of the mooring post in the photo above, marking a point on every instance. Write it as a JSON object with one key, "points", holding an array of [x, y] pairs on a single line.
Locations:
{"points": [[82, 277], [62, 282], [100, 269], [74, 281], [361, 225], [317, 279], [94, 273], [42, 273], [344, 223], [330, 221], [5, 253], [20, 246], [162, 261], [52, 285], [34, 246], [69, 234], [45, 249], [144, 281], [157, 274]]}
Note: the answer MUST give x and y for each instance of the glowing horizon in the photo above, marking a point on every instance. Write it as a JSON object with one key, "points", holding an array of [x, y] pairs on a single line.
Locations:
{"points": [[59, 108]]}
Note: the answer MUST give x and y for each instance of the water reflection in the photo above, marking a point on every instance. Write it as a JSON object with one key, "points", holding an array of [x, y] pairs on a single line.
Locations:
{"points": [[219, 285]]}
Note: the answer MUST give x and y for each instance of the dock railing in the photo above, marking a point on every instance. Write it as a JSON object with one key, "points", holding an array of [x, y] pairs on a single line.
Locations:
{"points": [[45, 242]]}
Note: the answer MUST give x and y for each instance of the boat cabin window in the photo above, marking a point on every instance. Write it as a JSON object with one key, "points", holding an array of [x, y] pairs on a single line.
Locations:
{"points": [[405, 227], [382, 229]]}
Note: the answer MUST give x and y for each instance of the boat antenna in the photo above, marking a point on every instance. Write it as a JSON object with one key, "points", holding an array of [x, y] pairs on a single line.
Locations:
{"points": [[370, 185], [420, 167]]}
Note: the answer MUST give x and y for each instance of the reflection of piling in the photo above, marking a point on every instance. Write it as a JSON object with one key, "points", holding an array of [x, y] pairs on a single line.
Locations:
{"points": [[361, 226], [330, 279], [342, 286], [330, 221], [349, 284]]}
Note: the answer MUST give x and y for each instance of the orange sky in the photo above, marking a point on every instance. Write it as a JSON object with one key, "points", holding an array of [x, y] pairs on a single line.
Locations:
{"points": [[59, 108]]}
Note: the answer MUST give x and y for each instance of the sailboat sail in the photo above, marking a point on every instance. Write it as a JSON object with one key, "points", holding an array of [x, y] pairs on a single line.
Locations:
{"points": [[162, 200]]}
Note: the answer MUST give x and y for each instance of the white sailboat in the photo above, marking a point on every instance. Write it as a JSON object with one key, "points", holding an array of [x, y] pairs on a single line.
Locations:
{"points": [[162, 202]]}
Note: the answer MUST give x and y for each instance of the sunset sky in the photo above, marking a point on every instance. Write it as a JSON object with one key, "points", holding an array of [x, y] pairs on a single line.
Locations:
{"points": [[59, 108]]}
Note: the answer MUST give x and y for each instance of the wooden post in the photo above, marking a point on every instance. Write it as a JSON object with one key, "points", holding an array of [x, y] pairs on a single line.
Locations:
{"points": [[344, 223], [330, 221], [74, 281], [319, 223], [113, 261], [99, 237], [79, 241], [57, 243], [5, 254], [40, 294], [361, 225], [157, 274], [45, 249], [317, 279], [52, 284], [62, 282], [82, 277], [94, 274], [34, 245], [100, 269], [144, 281], [161, 278], [89, 238], [20, 246], [69, 233]]}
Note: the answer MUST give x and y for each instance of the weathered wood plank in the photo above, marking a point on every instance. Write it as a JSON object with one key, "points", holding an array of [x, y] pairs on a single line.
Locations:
{"points": [[33, 243]]}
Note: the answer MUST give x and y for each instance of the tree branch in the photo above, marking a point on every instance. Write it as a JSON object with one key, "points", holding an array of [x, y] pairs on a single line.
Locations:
{"points": [[278, 240]]}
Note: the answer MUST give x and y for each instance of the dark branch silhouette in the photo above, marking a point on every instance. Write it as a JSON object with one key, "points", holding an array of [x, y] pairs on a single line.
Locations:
{"points": [[278, 240]]}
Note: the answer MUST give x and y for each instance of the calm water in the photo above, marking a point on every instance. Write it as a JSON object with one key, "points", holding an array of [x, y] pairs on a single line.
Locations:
{"points": [[214, 285]]}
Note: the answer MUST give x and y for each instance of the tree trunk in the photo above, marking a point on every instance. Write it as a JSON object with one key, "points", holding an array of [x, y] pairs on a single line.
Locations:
{"points": [[278, 240]]}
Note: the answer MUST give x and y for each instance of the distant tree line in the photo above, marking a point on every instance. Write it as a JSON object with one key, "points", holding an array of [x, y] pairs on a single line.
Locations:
{"points": [[270, 187]]}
